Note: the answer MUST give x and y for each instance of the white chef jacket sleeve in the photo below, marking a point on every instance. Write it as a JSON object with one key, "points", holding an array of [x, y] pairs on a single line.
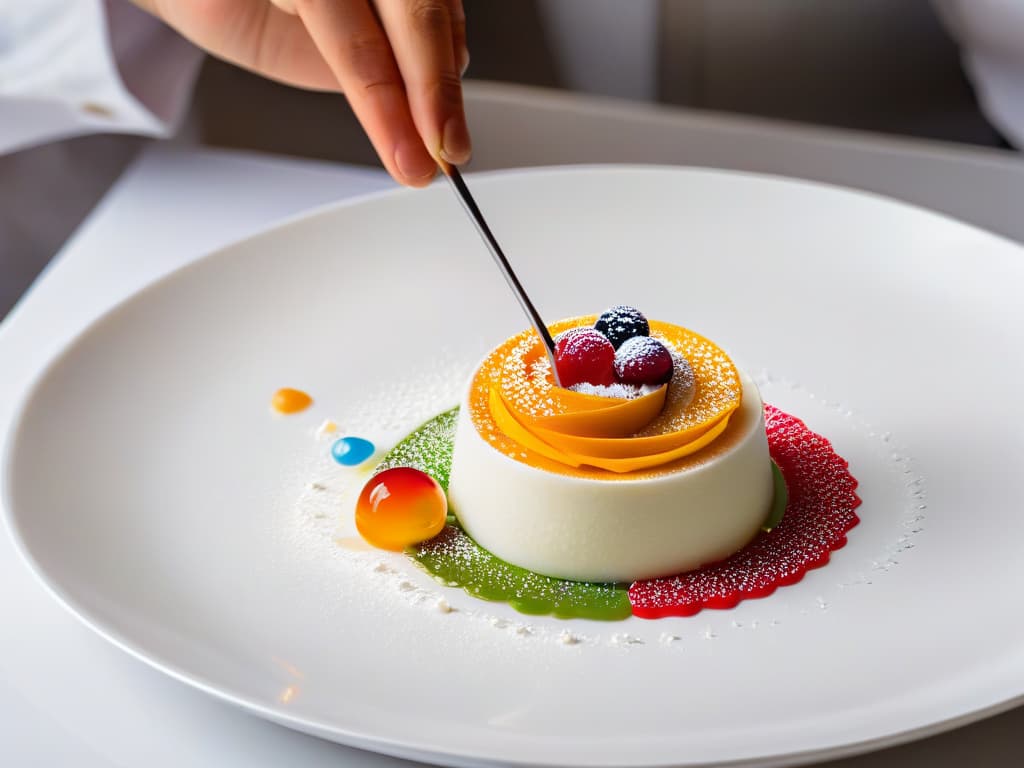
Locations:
{"points": [[991, 38], [73, 67]]}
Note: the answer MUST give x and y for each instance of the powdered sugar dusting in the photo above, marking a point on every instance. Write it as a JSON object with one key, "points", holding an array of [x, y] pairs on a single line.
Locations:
{"points": [[822, 500], [885, 450], [618, 391], [706, 380], [456, 560], [428, 449], [412, 400], [328, 490], [704, 385]]}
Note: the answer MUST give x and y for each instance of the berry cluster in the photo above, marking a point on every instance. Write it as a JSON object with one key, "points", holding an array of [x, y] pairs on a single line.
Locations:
{"points": [[618, 349]]}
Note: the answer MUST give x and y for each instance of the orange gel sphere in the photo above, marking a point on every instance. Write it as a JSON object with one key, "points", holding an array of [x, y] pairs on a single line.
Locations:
{"points": [[290, 400], [401, 507]]}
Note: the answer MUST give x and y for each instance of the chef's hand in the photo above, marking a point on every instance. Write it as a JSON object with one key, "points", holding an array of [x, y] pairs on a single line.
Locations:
{"points": [[399, 63]]}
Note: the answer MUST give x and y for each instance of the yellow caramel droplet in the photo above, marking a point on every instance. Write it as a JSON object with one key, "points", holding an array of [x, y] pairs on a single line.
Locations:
{"points": [[289, 400], [400, 507]]}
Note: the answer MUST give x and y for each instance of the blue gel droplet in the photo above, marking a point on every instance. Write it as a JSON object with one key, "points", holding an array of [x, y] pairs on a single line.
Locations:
{"points": [[351, 451]]}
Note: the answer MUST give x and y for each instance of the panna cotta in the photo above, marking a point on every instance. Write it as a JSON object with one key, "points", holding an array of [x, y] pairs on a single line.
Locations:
{"points": [[621, 477]]}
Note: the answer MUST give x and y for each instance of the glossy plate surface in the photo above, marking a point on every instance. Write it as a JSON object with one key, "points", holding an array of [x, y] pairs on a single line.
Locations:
{"points": [[152, 490]]}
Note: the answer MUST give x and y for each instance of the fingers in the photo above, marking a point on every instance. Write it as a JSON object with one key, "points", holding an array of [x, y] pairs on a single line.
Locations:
{"points": [[284, 51], [358, 52], [423, 35], [458, 35], [401, 73], [254, 35]]}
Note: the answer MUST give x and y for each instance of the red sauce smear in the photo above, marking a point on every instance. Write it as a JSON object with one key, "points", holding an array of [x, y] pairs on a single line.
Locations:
{"points": [[819, 512]]}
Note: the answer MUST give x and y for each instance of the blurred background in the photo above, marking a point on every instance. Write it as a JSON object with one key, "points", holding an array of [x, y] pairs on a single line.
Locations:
{"points": [[869, 65], [874, 65]]}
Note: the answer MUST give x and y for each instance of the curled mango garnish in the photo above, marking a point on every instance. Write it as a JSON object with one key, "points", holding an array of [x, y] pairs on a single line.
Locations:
{"points": [[613, 419], [580, 430]]}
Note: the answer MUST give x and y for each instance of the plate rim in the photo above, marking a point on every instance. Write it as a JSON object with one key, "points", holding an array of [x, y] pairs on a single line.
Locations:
{"points": [[395, 746]]}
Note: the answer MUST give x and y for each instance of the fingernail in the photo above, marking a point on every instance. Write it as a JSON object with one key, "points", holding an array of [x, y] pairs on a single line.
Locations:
{"points": [[414, 163], [463, 60], [455, 145]]}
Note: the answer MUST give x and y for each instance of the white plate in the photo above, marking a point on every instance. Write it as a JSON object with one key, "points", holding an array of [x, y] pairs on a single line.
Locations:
{"points": [[154, 494]]}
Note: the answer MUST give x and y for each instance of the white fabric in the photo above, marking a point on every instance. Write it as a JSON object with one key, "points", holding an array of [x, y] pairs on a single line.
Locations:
{"points": [[991, 37], [70, 67], [59, 76]]}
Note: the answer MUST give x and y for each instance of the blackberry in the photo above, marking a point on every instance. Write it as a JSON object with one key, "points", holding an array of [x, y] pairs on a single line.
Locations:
{"points": [[621, 323]]}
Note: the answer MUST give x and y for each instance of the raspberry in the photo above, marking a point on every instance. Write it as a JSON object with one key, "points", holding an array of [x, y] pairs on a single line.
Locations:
{"points": [[584, 355], [643, 360], [621, 323]]}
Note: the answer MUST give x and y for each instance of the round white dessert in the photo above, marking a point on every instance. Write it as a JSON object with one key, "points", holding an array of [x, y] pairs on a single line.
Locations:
{"points": [[699, 510]]}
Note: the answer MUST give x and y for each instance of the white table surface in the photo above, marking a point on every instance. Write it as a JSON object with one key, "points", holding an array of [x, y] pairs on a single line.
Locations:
{"points": [[66, 696]]}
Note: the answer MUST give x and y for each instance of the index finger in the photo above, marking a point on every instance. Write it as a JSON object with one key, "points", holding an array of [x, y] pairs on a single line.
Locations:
{"points": [[423, 37], [354, 45]]}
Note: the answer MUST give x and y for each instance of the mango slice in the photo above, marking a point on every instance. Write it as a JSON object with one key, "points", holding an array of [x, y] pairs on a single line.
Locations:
{"points": [[622, 461], [618, 418], [515, 403], [657, 459], [627, 447], [511, 427]]}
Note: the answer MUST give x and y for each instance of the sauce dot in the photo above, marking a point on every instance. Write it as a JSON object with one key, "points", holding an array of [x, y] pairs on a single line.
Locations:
{"points": [[400, 507], [289, 400], [350, 451]]}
